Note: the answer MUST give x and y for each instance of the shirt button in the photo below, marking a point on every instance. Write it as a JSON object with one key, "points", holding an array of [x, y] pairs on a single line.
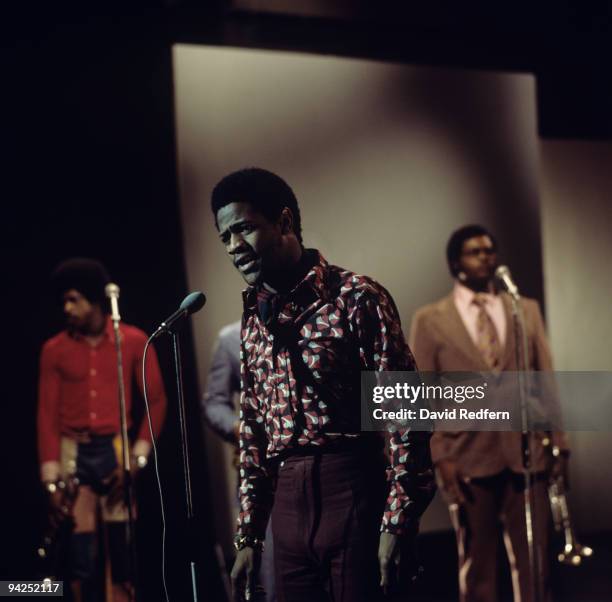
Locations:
{"points": [[93, 372], [93, 415], [93, 393]]}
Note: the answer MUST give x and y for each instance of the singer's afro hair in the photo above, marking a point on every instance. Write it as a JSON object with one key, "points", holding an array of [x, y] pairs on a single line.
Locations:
{"points": [[268, 193], [87, 276], [454, 247]]}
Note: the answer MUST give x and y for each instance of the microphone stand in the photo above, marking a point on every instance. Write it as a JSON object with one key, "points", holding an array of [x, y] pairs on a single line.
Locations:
{"points": [[127, 475], [522, 364], [185, 453], [192, 303]]}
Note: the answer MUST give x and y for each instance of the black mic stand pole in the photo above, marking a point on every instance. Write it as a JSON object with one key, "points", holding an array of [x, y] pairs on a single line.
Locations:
{"points": [[185, 452], [192, 303], [127, 475], [522, 365]]}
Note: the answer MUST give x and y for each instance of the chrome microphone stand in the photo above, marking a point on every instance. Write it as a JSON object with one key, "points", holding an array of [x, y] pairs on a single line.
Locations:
{"points": [[522, 365], [112, 292]]}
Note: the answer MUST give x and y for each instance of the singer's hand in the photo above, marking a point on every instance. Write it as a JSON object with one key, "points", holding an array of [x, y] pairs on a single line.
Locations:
{"points": [[244, 574], [388, 559]]}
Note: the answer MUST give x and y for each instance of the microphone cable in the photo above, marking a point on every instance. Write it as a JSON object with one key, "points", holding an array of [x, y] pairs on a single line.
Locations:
{"points": [[156, 463]]}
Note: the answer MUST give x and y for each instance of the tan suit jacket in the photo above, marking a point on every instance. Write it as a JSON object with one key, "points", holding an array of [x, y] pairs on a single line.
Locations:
{"points": [[441, 342]]}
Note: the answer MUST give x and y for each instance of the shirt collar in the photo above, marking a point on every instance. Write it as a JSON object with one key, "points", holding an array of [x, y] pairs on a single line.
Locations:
{"points": [[464, 296], [315, 280], [107, 333]]}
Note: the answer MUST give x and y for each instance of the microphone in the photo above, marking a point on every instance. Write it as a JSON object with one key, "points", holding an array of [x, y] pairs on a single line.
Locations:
{"points": [[112, 292], [502, 273], [191, 303]]}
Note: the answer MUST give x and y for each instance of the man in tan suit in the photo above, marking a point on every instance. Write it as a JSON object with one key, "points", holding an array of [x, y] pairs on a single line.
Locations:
{"points": [[481, 473]]}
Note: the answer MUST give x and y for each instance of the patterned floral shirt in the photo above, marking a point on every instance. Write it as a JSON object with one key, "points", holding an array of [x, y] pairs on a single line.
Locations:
{"points": [[301, 386]]}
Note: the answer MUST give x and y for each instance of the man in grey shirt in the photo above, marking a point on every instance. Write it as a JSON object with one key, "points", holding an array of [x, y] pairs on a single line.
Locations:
{"points": [[223, 383], [220, 413]]}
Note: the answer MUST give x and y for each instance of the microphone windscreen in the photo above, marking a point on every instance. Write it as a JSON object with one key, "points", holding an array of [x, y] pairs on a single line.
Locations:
{"points": [[111, 290], [193, 302], [503, 271]]}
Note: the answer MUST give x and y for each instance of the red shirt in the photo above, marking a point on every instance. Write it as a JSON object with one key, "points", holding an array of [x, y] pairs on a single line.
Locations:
{"points": [[78, 388]]}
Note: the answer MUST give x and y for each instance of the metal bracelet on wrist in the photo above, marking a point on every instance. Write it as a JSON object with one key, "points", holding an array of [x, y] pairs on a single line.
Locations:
{"points": [[247, 541]]}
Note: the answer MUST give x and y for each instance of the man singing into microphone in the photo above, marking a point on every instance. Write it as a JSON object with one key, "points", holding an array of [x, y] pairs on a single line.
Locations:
{"points": [[481, 473], [78, 421], [308, 329]]}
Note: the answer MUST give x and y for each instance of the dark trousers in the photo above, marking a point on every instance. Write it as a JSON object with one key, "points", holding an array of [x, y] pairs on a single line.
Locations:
{"points": [[493, 502], [325, 521]]}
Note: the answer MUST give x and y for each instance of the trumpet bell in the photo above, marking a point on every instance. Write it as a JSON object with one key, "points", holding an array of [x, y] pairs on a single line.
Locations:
{"points": [[572, 555]]}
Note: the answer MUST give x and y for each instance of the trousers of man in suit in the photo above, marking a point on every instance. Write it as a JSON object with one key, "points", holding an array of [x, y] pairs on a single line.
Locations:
{"points": [[490, 463]]}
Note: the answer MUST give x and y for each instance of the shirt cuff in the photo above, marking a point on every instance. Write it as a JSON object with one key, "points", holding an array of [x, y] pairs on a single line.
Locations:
{"points": [[409, 527], [253, 523], [50, 470], [249, 531]]}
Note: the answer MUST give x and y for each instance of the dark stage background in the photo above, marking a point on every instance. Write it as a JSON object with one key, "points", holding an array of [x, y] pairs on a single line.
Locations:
{"points": [[89, 161]]}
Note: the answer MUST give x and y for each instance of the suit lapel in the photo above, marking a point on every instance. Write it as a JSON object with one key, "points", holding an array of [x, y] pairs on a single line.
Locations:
{"points": [[454, 330]]}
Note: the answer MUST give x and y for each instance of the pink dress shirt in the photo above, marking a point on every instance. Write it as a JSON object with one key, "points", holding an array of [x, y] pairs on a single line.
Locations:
{"points": [[463, 297]]}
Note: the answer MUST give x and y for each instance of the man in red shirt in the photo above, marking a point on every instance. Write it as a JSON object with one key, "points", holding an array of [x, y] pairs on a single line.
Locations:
{"points": [[79, 421]]}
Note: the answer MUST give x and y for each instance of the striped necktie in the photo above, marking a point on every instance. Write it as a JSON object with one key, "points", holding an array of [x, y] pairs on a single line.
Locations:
{"points": [[487, 339]]}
